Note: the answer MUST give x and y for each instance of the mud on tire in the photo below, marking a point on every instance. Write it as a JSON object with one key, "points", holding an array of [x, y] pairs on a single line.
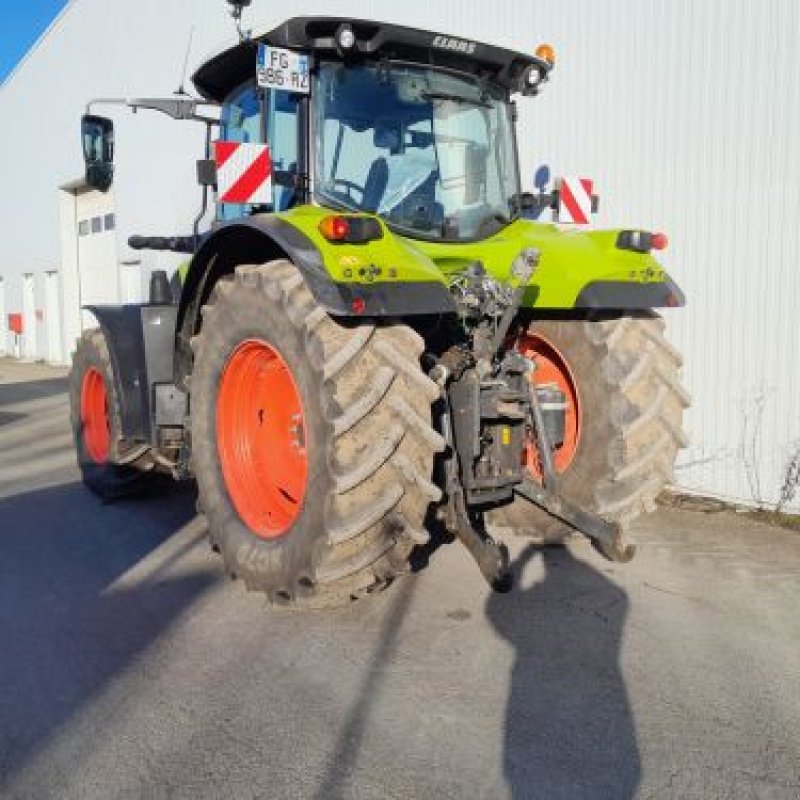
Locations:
{"points": [[367, 427], [628, 382]]}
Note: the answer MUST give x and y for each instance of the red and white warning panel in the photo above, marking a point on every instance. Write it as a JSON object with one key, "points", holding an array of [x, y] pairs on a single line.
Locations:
{"points": [[244, 172], [575, 200]]}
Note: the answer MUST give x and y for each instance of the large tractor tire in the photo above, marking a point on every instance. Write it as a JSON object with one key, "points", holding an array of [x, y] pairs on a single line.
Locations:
{"points": [[109, 465], [312, 441], [623, 431]]}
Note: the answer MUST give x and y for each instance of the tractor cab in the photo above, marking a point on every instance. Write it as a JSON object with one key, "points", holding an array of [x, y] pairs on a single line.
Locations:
{"points": [[362, 117]]}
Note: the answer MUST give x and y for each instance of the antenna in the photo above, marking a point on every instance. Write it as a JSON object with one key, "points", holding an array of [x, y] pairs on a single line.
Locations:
{"points": [[236, 12], [180, 91]]}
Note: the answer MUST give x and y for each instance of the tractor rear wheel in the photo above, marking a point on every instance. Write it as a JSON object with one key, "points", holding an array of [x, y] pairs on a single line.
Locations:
{"points": [[312, 441], [110, 466], [625, 403]]}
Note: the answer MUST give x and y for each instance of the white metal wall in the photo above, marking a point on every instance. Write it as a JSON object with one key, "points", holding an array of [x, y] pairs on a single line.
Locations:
{"points": [[52, 316], [29, 322], [3, 318], [685, 113]]}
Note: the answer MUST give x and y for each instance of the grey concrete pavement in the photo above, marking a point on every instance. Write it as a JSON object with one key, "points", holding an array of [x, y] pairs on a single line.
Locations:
{"points": [[130, 666]]}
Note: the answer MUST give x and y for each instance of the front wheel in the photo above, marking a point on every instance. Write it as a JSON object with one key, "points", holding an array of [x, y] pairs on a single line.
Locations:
{"points": [[312, 441], [625, 403]]}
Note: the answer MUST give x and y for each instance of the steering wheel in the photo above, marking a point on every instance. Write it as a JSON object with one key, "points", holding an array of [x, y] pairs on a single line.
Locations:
{"points": [[349, 188]]}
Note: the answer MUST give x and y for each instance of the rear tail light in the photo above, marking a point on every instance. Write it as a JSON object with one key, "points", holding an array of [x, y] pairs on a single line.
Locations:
{"points": [[334, 229], [341, 229], [641, 241], [660, 241]]}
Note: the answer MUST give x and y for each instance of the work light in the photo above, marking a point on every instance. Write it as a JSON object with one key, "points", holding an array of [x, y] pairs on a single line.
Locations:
{"points": [[345, 38]]}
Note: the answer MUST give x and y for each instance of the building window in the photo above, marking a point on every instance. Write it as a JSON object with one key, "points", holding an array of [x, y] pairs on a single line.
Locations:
{"points": [[83, 227], [109, 222], [97, 224]]}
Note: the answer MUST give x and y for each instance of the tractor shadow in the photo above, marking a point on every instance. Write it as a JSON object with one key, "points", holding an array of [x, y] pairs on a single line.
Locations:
{"points": [[569, 729], [84, 589], [24, 391]]}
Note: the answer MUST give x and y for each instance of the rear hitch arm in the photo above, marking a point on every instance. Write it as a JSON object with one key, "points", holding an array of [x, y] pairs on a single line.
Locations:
{"points": [[606, 537], [491, 557]]}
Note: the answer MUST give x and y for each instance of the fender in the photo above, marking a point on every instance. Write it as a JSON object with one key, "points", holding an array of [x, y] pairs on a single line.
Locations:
{"points": [[140, 345], [629, 296], [261, 238]]}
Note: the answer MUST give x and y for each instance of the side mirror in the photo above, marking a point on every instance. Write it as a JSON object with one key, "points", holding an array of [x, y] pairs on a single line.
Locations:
{"points": [[542, 177], [97, 139]]}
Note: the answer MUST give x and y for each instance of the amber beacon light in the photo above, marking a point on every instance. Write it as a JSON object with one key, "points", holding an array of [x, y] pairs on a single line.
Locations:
{"points": [[546, 53]]}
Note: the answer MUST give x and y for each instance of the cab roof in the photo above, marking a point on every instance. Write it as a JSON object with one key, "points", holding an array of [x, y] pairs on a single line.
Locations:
{"points": [[219, 76]]}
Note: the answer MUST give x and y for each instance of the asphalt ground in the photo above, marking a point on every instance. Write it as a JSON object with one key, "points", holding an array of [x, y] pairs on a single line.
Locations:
{"points": [[131, 666]]}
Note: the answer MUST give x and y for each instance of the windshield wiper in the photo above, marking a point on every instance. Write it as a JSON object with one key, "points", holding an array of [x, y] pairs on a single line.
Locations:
{"points": [[454, 98], [496, 216]]}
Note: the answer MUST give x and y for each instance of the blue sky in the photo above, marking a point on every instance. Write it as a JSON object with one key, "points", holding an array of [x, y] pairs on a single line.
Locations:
{"points": [[23, 22]]}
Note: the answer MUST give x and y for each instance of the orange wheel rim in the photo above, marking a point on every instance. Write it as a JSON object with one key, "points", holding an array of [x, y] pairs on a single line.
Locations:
{"points": [[261, 439], [552, 368], [95, 423]]}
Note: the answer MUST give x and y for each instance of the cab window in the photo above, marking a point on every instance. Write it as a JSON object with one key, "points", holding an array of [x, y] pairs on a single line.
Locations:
{"points": [[241, 121], [241, 117], [283, 146]]}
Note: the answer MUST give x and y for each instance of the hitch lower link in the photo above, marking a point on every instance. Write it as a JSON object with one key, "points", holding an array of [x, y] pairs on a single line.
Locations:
{"points": [[606, 537]]}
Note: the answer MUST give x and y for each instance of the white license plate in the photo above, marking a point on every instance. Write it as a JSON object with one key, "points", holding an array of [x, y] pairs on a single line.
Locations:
{"points": [[283, 70]]}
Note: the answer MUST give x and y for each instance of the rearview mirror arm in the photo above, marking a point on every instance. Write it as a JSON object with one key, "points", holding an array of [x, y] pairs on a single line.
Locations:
{"points": [[179, 108]]}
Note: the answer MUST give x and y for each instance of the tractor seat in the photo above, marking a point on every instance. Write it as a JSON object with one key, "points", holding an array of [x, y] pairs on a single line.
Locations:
{"points": [[375, 185]]}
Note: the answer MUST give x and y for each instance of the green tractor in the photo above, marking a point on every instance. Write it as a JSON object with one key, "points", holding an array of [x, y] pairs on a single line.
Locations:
{"points": [[376, 339]]}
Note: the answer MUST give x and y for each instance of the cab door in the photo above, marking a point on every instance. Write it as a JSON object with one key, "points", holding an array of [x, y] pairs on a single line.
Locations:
{"points": [[255, 116]]}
